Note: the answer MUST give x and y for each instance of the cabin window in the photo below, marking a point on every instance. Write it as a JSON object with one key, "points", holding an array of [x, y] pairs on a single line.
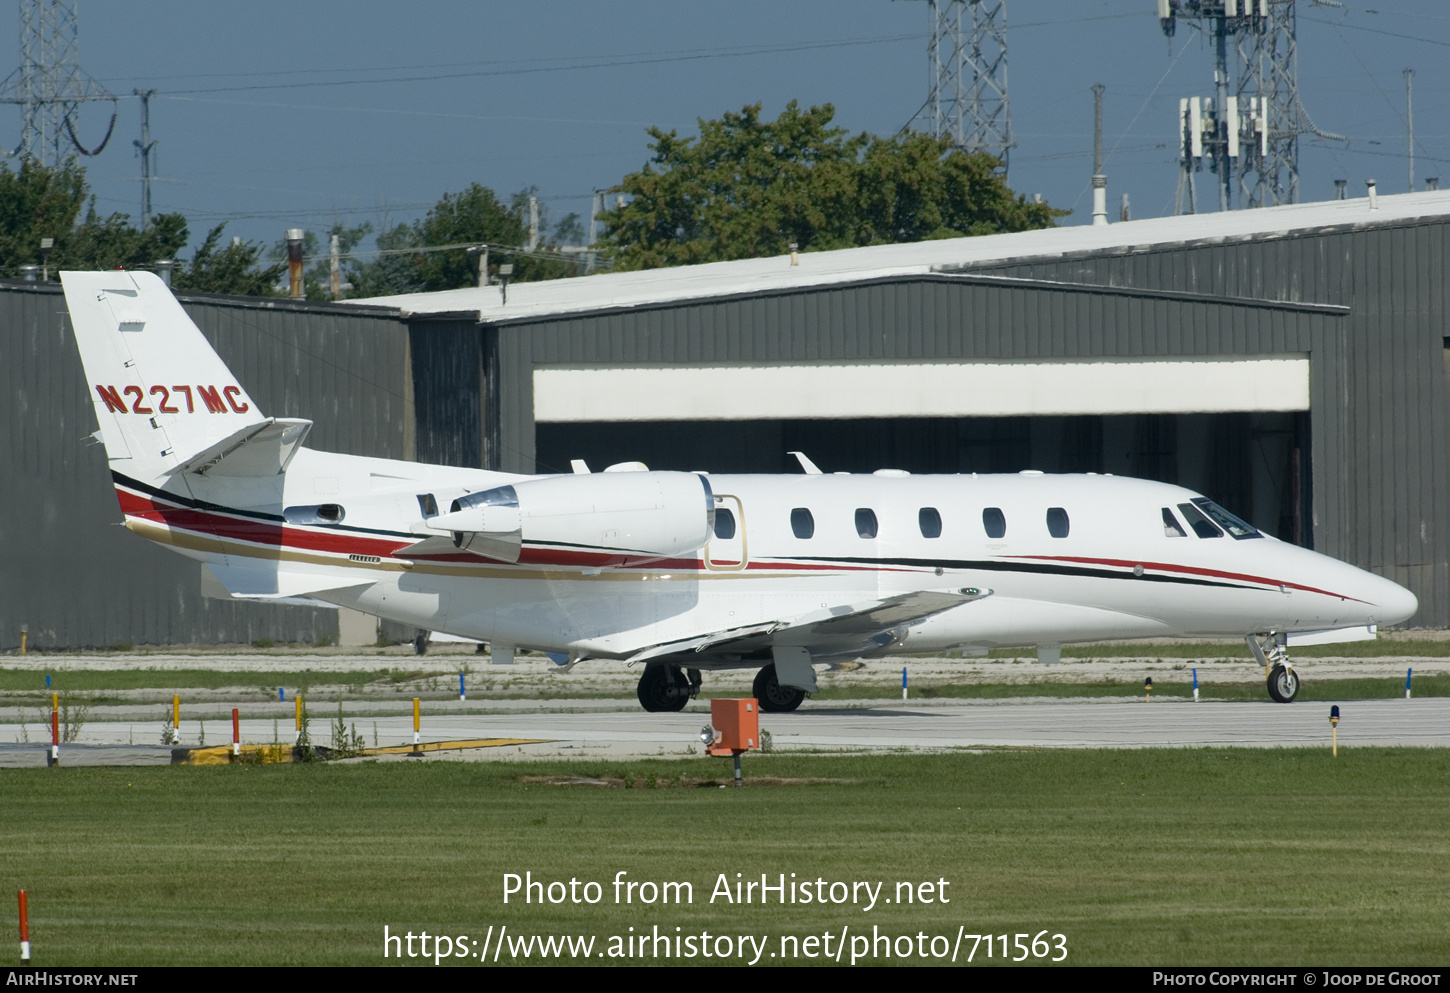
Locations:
{"points": [[1171, 527], [724, 524], [865, 522], [323, 513], [802, 524], [995, 522], [1201, 525], [1235, 527], [427, 504], [1057, 523], [929, 521]]}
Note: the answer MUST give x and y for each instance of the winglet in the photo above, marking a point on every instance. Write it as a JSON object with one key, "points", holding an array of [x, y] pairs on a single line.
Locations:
{"points": [[807, 466]]}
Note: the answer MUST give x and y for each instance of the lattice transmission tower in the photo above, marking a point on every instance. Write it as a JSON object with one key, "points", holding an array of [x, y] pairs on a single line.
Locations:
{"points": [[50, 85], [967, 82], [1248, 132]]}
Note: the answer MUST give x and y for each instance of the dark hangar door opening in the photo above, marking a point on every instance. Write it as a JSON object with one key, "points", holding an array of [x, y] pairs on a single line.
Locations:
{"points": [[1255, 464]]}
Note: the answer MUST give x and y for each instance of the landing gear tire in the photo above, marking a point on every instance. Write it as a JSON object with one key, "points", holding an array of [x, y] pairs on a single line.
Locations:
{"points": [[420, 642], [775, 698], [663, 689], [1283, 684]]}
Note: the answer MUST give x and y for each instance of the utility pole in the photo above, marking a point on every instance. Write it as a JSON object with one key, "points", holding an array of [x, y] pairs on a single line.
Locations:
{"points": [[967, 76], [533, 223], [1410, 130], [595, 207], [145, 146], [335, 256]]}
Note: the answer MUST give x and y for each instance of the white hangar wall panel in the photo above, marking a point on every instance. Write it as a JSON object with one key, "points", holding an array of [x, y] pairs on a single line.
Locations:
{"points": [[1199, 384], [76, 578]]}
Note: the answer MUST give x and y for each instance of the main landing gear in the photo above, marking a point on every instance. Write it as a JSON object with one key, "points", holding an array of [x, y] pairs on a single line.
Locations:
{"points": [[664, 688], [1272, 652], [775, 698]]}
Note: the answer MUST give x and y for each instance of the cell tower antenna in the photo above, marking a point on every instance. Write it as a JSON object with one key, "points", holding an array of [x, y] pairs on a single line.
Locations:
{"points": [[1248, 131], [967, 76], [50, 86]]}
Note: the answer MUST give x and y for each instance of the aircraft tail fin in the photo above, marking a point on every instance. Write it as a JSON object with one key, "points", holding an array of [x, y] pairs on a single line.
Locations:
{"points": [[165, 401]]}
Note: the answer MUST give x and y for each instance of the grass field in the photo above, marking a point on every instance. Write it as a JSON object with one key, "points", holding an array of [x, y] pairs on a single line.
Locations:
{"points": [[1352, 688], [24, 686], [1139, 857]]}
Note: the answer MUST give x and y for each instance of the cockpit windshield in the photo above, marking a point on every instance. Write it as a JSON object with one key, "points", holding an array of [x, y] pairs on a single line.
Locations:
{"points": [[1235, 527]]}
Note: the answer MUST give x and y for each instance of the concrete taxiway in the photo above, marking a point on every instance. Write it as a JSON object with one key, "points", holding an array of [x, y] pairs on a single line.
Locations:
{"points": [[630, 733]]}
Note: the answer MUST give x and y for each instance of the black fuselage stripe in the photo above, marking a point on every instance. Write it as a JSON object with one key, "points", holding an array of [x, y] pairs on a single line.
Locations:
{"points": [[256, 515], [1042, 569]]}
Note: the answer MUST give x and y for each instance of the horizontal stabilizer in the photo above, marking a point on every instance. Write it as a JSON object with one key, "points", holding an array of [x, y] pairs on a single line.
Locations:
{"points": [[263, 449]]}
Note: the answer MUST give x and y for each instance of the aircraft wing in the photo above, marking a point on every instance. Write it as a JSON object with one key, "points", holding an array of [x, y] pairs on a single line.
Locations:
{"points": [[220, 582], [850, 629]]}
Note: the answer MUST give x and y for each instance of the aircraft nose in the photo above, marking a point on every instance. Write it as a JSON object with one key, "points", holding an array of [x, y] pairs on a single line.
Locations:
{"points": [[1394, 602]]}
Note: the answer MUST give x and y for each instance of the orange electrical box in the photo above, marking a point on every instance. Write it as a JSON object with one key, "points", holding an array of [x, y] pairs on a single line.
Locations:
{"points": [[738, 724]]}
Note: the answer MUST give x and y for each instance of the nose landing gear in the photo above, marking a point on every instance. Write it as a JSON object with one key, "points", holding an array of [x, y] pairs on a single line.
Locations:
{"points": [[1272, 652]]}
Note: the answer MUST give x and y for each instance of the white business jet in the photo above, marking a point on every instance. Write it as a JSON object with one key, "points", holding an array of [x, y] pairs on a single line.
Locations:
{"points": [[681, 571]]}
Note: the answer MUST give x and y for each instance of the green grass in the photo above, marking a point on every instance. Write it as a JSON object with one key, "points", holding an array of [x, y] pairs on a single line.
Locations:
{"points": [[1151, 857], [87, 680], [1375, 649], [1352, 688]]}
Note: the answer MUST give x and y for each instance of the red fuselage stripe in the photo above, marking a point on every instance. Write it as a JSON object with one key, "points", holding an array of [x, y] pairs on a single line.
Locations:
{"points": [[1188, 570]]}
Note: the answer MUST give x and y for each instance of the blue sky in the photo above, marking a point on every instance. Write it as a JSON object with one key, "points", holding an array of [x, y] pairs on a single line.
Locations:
{"points": [[271, 115]]}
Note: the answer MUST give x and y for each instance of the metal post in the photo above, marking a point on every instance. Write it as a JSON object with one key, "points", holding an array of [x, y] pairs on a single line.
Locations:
{"points": [[334, 253], [145, 146], [1100, 182], [1410, 130], [24, 929]]}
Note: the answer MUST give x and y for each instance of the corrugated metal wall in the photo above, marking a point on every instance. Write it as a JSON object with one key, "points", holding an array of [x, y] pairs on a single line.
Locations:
{"points": [[69, 571], [903, 319], [1381, 476]]}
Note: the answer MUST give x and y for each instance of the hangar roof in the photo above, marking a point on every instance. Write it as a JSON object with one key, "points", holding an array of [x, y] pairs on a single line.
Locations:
{"points": [[611, 290]]}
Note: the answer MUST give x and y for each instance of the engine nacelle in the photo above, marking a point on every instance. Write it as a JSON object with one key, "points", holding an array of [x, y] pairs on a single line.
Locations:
{"points": [[598, 519]]}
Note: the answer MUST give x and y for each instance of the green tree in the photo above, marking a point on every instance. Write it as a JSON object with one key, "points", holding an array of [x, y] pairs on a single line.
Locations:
{"points": [[234, 268], [38, 202], [41, 202], [471, 218], [747, 188]]}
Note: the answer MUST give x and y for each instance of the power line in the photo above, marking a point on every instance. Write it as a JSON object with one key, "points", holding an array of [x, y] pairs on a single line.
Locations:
{"points": [[600, 64]]}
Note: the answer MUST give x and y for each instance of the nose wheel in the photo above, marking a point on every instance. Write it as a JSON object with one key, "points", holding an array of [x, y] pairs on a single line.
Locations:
{"points": [[1272, 652], [1283, 684]]}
